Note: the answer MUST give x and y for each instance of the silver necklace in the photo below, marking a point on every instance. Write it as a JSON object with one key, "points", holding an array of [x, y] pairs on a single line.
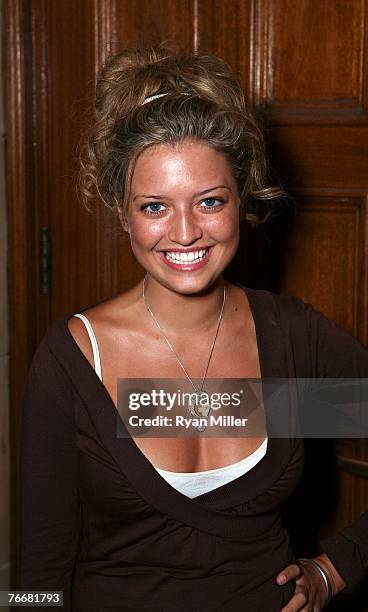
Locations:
{"points": [[198, 405]]}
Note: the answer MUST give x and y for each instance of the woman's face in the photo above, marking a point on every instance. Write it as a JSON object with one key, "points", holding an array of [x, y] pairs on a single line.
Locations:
{"points": [[183, 215]]}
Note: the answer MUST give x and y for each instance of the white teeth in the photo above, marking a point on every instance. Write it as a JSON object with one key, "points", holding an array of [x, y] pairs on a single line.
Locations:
{"points": [[183, 258]]}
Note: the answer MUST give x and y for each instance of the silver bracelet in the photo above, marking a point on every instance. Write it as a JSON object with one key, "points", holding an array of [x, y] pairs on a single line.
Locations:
{"points": [[325, 576]]}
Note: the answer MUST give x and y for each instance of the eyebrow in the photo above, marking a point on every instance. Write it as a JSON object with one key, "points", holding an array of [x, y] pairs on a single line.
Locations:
{"points": [[143, 195]]}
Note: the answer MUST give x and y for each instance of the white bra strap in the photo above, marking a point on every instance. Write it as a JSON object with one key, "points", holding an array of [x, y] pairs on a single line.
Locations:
{"points": [[92, 337]]}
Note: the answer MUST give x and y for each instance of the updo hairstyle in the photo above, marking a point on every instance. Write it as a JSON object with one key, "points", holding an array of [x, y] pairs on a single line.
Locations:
{"points": [[213, 111]]}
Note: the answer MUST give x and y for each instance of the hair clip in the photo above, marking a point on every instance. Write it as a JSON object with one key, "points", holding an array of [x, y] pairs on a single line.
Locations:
{"points": [[160, 96], [153, 98]]}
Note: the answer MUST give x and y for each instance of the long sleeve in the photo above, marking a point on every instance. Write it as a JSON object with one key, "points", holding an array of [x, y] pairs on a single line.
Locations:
{"points": [[334, 354], [50, 509]]}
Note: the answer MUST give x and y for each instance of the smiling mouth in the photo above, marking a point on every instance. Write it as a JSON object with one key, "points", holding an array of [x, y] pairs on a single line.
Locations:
{"points": [[181, 258]]}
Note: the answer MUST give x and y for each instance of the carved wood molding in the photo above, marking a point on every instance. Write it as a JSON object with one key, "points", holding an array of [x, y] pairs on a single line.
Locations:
{"points": [[105, 30], [356, 467]]}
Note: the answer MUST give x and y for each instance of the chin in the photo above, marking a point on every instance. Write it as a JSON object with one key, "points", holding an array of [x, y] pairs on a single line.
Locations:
{"points": [[187, 286]]}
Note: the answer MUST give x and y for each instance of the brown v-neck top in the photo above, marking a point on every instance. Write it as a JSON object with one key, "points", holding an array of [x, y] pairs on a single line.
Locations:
{"points": [[99, 523]]}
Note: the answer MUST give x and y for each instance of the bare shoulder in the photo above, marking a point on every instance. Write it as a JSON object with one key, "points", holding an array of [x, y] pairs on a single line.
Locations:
{"points": [[240, 307], [80, 335], [105, 318]]}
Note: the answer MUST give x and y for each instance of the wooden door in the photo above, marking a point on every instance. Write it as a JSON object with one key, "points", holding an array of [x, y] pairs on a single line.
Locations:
{"points": [[303, 67]]}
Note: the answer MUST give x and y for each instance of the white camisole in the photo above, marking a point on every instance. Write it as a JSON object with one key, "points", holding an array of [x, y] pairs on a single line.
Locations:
{"points": [[190, 484]]}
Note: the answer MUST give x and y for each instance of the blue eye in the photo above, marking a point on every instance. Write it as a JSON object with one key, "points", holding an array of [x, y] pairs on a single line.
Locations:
{"points": [[153, 208], [212, 202]]}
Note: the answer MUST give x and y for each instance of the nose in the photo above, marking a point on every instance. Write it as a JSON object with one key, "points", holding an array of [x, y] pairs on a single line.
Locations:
{"points": [[185, 228]]}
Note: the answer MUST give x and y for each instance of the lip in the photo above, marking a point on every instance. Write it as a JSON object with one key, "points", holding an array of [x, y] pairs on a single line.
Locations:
{"points": [[192, 250], [191, 266]]}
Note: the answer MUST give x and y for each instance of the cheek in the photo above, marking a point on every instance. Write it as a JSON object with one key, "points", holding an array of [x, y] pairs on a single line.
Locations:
{"points": [[224, 228], [146, 233]]}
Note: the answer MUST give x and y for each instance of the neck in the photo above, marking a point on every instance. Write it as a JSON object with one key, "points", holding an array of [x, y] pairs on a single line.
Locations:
{"points": [[179, 313]]}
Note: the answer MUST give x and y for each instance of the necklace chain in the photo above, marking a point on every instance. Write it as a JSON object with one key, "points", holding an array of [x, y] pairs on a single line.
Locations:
{"points": [[171, 346]]}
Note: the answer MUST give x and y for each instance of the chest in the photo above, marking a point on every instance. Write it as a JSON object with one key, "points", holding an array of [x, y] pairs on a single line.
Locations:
{"points": [[235, 356]]}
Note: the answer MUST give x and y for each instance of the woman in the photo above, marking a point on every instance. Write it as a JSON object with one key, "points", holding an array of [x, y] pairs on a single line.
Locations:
{"points": [[180, 523]]}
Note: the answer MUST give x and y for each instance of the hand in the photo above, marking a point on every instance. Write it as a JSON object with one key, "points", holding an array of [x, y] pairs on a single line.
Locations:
{"points": [[310, 591]]}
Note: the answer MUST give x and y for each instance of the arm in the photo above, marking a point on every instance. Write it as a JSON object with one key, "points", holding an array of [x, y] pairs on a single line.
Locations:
{"points": [[337, 354], [332, 353], [50, 509]]}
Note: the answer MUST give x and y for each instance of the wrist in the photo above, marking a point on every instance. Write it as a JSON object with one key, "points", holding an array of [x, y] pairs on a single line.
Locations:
{"points": [[336, 580], [327, 587]]}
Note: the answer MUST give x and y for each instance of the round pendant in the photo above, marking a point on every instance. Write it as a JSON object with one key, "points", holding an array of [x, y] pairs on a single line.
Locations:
{"points": [[201, 428], [197, 408]]}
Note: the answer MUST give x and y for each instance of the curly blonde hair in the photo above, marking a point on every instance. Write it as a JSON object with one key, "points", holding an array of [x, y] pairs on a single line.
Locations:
{"points": [[212, 111]]}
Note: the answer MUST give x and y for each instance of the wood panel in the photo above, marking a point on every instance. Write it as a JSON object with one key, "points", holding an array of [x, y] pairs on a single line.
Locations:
{"points": [[226, 29], [171, 21], [316, 157], [327, 229], [69, 77], [314, 65], [21, 248]]}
